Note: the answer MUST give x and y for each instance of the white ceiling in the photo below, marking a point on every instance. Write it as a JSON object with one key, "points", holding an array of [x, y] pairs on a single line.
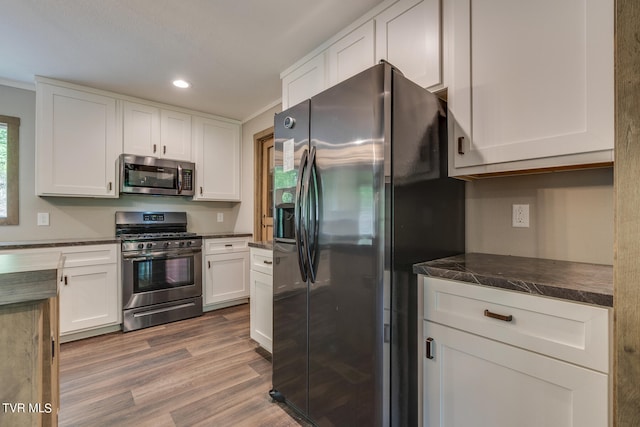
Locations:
{"points": [[232, 51]]}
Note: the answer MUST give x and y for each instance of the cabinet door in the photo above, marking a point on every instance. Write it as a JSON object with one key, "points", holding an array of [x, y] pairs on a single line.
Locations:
{"points": [[88, 297], [475, 381], [226, 277], [408, 36], [527, 84], [175, 135], [77, 143], [217, 158], [141, 125], [261, 318], [304, 82], [352, 54]]}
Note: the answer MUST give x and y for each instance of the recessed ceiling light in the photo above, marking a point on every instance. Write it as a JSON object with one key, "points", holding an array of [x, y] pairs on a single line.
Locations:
{"points": [[182, 84]]}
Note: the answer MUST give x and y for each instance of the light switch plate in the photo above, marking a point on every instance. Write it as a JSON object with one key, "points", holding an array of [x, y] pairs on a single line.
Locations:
{"points": [[220, 216], [43, 218]]}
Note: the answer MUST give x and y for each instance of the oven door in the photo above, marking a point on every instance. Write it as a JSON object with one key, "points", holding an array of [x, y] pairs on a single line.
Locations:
{"points": [[161, 276]]}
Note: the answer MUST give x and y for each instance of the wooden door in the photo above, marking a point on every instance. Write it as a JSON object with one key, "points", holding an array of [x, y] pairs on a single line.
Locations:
{"points": [[267, 190], [263, 188]]}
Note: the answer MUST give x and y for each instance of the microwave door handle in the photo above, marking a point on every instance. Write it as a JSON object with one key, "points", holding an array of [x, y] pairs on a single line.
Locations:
{"points": [[179, 179]]}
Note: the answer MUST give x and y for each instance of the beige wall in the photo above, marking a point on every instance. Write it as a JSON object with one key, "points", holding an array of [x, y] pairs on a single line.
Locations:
{"points": [[82, 217], [571, 212], [571, 216], [249, 129]]}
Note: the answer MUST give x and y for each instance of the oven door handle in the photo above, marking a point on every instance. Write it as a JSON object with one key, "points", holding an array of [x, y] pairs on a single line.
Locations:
{"points": [[159, 255]]}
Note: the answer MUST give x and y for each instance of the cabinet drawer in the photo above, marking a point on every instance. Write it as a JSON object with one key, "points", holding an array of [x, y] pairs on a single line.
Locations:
{"points": [[214, 246], [79, 256], [574, 332], [262, 261]]}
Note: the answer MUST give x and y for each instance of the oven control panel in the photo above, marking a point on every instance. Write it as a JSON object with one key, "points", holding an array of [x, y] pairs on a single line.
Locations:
{"points": [[155, 245]]}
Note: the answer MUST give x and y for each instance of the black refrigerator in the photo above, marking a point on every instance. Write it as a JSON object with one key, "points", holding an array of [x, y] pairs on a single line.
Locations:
{"points": [[361, 193]]}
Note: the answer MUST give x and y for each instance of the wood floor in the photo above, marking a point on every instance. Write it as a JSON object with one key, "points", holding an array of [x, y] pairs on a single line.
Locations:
{"points": [[198, 372]]}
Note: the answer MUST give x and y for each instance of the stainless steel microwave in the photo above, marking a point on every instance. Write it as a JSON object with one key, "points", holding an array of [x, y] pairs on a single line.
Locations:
{"points": [[150, 175]]}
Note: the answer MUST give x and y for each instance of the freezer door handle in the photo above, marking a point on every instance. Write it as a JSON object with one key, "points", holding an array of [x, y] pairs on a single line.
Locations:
{"points": [[310, 208], [298, 223]]}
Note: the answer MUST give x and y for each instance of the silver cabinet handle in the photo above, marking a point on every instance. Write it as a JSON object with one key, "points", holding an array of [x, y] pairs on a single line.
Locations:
{"points": [[268, 262], [66, 280], [209, 264], [154, 148], [110, 186], [201, 191], [164, 149]]}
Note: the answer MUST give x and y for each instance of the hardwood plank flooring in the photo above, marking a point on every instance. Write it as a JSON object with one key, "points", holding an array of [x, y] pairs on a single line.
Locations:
{"points": [[197, 372]]}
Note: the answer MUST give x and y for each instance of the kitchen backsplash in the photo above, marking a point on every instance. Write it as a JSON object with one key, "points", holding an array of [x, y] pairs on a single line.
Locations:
{"points": [[571, 216]]}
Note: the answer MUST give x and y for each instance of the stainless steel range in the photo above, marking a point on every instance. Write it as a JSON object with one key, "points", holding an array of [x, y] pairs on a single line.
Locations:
{"points": [[161, 268]]}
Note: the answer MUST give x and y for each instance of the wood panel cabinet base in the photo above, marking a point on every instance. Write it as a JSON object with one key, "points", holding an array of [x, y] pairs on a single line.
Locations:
{"points": [[29, 349]]}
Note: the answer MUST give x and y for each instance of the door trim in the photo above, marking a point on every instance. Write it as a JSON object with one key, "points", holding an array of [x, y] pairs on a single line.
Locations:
{"points": [[258, 139]]}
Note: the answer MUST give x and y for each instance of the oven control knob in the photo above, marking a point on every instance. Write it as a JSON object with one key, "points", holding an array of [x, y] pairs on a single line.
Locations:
{"points": [[140, 245], [189, 243], [181, 244], [149, 245], [166, 244]]}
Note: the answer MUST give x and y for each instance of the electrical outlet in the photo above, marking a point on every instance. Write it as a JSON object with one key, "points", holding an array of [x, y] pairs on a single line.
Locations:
{"points": [[520, 217], [43, 218], [220, 216]]}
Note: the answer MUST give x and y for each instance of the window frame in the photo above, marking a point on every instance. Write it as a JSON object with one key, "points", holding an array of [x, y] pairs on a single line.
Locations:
{"points": [[13, 163]]}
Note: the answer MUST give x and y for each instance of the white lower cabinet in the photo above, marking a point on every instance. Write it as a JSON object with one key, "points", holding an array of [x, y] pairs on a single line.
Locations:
{"points": [[226, 273], [499, 358], [89, 288], [475, 381], [261, 278], [88, 297]]}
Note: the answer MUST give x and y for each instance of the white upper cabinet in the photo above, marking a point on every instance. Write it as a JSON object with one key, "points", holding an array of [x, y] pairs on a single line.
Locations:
{"points": [[175, 135], [304, 82], [217, 155], [142, 129], [408, 36], [78, 141], [530, 84], [352, 54], [151, 131], [406, 33]]}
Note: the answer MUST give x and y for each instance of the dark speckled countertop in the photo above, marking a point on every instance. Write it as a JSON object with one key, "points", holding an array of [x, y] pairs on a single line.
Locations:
{"points": [[222, 235], [575, 281], [262, 245], [55, 243]]}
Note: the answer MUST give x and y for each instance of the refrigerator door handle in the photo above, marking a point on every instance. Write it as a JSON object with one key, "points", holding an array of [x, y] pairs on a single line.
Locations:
{"points": [[312, 211], [298, 223]]}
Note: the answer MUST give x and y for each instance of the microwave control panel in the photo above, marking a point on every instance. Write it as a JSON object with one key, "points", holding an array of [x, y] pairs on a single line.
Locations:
{"points": [[187, 179]]}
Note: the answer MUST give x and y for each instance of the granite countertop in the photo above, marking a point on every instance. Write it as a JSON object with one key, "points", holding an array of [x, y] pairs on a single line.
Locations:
{"points": [[54, 243], [262, 245], [222, 235], [29, 277], [575, 281]]}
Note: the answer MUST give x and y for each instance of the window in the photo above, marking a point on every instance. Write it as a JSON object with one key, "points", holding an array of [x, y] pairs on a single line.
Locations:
{"points": [[9, 149]]}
